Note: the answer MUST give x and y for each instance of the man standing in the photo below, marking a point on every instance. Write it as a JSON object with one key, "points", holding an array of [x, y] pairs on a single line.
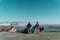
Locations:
{"points": [[28, 25], [37, 27], [27, 28]]}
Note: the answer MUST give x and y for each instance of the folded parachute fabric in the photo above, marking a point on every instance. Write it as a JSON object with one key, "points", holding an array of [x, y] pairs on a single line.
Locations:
{"points": [[32, 30], [13, 30]]}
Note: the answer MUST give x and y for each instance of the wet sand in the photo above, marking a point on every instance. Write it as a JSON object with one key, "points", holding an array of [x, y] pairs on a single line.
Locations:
{"points": [[40, 36]]}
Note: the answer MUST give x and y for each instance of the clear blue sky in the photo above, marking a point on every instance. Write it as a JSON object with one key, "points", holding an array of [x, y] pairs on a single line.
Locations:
{"points": [[44, 11]]}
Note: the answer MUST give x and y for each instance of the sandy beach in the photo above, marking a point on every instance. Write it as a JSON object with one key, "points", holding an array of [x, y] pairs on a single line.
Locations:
{"points": [[19, 36]]}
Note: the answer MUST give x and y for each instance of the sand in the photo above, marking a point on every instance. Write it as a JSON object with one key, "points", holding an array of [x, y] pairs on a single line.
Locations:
{"points": [[40, 36]]}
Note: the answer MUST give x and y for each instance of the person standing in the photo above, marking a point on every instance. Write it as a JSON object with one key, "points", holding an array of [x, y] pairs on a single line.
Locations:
{"points": [[37, 28], [28, 26]]}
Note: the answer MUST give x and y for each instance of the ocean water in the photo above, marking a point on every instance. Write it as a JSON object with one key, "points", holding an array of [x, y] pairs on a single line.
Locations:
{"points": [[51, 28], [46, 28]]}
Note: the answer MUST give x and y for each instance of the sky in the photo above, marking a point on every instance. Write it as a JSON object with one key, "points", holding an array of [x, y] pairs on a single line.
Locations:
{"points": [[43, 11]]}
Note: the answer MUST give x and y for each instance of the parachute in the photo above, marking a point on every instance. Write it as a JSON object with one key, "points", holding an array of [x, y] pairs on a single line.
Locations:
{"points": [[32, 30]]}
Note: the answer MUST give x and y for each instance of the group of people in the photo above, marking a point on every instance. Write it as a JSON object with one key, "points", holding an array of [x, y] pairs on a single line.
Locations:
{"points": [[29, 28], [33, 29]]}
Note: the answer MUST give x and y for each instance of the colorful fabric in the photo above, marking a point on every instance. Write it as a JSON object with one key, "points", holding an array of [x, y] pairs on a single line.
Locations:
{"points": [[32, 30]]}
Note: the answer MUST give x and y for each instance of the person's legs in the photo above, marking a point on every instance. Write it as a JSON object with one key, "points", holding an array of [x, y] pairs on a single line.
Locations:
{"points": [[37, 31]]}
